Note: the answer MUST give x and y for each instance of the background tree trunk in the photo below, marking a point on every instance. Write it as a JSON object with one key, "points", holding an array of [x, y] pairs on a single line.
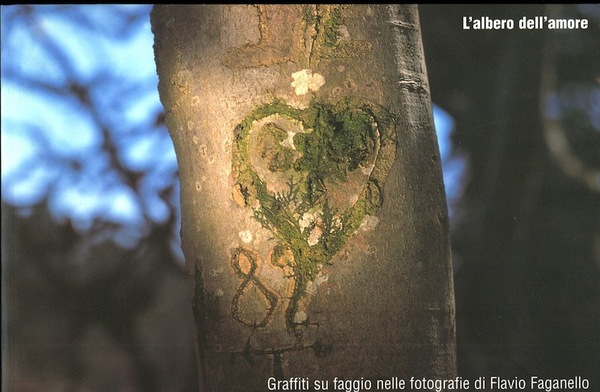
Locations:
{"points": [[314, 221], [525, 236]]}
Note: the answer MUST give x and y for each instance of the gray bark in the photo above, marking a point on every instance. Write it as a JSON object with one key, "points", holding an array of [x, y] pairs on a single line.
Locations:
{"points": [[347, 273]]}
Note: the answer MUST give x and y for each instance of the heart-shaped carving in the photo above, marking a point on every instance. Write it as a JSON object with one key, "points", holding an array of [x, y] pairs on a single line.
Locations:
{"points": [[311, 176]]}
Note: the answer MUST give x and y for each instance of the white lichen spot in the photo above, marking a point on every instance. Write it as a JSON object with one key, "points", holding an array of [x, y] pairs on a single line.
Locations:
{"points": [[195, 139], [195, 101], [305, 81], [321, 278], [369, 222], [337, 222], [289, 141], [198, 186], [308, 218], [245, 236], [315, 236], [300, 317], [219, 293]]}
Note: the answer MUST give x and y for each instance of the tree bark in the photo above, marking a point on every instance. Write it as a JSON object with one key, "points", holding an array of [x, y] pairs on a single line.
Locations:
{"points": [[314, 221]]}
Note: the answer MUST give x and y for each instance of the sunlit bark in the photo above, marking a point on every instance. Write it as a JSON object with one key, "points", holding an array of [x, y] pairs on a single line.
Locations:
{"points": [[314, 220]]}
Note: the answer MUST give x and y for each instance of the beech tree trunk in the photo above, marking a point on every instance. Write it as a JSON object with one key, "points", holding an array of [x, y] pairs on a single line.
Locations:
{"points": [[314, 221]]}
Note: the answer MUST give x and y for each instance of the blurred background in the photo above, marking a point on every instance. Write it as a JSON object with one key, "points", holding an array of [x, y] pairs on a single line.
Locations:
{"points": [[94, 290]]}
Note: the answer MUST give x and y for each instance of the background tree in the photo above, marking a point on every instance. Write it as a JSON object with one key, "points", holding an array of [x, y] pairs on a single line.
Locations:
{"points": [[93, 294], [525, 234], [314, 221]]}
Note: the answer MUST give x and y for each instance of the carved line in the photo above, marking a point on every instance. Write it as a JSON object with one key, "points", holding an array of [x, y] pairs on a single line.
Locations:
{"points": [[247, 279]]}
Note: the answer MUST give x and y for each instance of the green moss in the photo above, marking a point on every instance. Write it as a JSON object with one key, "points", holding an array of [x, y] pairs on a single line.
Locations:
{"points": [[329, 42], [343, 139], [337, 140], [330, 25]]}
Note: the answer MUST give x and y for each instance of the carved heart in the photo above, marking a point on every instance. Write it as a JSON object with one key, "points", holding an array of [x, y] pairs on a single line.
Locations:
{"points": [[311, 176]]}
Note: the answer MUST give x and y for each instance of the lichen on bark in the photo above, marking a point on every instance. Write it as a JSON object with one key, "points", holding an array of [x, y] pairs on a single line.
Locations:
{"points": [[311, 176]]}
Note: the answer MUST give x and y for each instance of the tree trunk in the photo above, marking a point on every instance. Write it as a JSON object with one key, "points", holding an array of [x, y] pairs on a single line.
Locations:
{"points": [[314, 221]]}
